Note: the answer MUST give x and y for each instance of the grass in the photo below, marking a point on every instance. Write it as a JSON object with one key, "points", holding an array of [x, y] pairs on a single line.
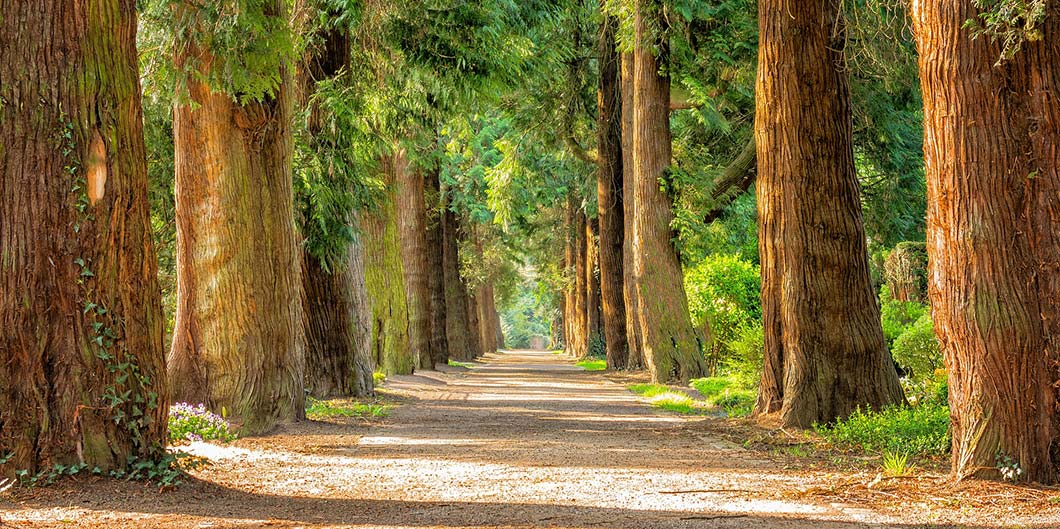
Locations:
{"points": [[326, 409], [464, 365], [896, 464], [663, 397], [913, 430], [728, 393], [592, 364], [378, 378]]}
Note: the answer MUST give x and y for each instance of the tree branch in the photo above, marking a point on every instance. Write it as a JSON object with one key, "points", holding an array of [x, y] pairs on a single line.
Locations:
{"points": [[733, 181]]}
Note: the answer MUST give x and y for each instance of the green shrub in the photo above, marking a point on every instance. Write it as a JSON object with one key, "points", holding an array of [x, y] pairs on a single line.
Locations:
{"points": [[663, 397], [915, 430], [747, 349], [723, 297], [593, 364], [917, 349], [897, 316], [323, 409]]}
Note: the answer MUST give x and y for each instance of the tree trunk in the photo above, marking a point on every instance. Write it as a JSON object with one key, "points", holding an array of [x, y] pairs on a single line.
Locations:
{"points": [[629, 284], [412, 225], [439, 344], [593, 309], [338, 327], [487, 314], [458, 326], [238, 341], [474, 323], [580, 329], [671, 347], [824, 348], [336, 311], [609, 196], [385, 280], [79, 297], [993, 175]]}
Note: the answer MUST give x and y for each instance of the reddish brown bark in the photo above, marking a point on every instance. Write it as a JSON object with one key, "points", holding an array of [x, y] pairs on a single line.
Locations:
{"points": [[238, 341], [412, 225], [439, 344], [609, 196], [992, 146], [579, 339], [594, 331], [457, 320], [79, 297], [629, 285], [672, 348], [824, 349]]}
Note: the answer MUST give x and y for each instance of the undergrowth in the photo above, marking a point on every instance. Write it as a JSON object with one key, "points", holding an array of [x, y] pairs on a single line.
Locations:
{"points": [[324, 409], [663, 397], [727, 392], [592, 364], [919, 430]]}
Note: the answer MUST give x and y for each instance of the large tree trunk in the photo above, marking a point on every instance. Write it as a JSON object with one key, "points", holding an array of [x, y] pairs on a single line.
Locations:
{"points": [[609, 196], [336, 312], [458, 326], [81, 353], [238, 341], [671, 347], [412, 224], [629, 283], [474, 323], [992, 146], [385, 281], [439, 344], [824, 349], [339, 359]]}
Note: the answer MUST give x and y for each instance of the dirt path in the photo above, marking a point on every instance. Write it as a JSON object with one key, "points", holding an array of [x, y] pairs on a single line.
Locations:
{"points": [[523, 440]]}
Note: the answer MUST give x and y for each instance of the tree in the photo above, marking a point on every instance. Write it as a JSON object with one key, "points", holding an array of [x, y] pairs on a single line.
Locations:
{"points": [[824, 348], [336, 311], [629, 284], [457, 319], [609, 195], [385, 280], [238, 341], [81, 355], [439, 343], [993, 170], [671, 347], [412, 226]]}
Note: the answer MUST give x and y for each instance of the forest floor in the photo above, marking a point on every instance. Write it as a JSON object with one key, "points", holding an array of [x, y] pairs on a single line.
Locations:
{"points": [[525, 439]]}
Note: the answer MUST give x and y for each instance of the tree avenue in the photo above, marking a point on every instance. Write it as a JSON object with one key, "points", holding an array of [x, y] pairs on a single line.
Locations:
{"points": [[807, 213]]}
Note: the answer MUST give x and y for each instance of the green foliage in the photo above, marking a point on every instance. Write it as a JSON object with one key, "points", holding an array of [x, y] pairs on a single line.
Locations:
{"points": [[1010, 22], [898, 316], [593, 364], [917, 348], [465, 365], [723, 298], [897, 464], [748, 349], [728, 392], [196, 423], [317, 409], [920, 430], [378, 377], [237, 47], [524, 316]]}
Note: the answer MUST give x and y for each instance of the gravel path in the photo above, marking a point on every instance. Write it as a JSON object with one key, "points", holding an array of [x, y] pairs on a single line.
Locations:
{"points": [[524, 439]]}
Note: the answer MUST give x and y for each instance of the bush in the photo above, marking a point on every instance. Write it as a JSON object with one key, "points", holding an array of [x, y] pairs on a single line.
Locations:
{"points": [[919, 430], [897, 316], [747, 349], [196, 423], [917, 349], [723, 297]]}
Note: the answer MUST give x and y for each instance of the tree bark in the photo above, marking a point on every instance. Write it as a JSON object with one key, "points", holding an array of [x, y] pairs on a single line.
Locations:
{"points": [[79, 297], [609, 196], [671, 347], [635, 359], [336, 311], [439, 344], [580, 328], [593, 308], [457, 322], [412, 225], [339, 359], [238, 341], [474, 323], [824, 348], [385, 282], [993, 173]]}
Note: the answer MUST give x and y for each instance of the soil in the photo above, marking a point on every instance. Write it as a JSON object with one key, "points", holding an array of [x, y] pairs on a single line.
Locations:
{"points": [[526, 439]]}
